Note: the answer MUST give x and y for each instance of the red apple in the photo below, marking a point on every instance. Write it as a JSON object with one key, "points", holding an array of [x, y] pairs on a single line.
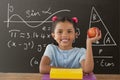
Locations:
{"points": [[92, 32]]}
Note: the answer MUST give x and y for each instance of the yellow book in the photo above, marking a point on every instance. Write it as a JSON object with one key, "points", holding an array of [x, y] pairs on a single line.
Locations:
{"points": [[62, 73]]}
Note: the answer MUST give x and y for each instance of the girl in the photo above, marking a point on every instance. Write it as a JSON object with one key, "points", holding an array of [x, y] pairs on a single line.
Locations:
{"points": [[64, 55]]}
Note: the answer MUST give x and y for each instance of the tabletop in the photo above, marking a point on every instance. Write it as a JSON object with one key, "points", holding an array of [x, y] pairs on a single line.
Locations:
{"points": [[38, 76]]}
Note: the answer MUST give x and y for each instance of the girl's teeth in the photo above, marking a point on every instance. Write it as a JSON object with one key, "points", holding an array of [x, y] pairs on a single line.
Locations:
{"points": [[64, 40]]}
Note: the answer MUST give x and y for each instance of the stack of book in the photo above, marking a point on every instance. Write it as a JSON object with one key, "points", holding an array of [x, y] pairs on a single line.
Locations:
{"points": [[62, 73]]}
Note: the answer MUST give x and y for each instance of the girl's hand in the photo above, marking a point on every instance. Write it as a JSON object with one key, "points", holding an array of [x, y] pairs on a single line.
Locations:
{"points": [[96, 38]]}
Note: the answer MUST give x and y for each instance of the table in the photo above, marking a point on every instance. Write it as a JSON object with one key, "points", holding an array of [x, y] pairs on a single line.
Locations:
{"points": [[38, 76]]}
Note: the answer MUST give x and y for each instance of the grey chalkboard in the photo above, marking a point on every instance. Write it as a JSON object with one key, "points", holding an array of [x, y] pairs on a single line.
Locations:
{"points": [[25, 31]]}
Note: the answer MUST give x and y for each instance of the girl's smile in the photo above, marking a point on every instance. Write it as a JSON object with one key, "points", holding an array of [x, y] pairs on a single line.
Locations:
{"points": [[64, 40]]}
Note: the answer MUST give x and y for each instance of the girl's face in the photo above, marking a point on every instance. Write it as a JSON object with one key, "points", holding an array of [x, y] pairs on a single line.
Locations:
{"points": [[64, 34]]}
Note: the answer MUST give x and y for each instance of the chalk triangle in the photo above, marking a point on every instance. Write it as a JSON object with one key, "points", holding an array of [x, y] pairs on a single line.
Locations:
{"points": [[96, 21]]}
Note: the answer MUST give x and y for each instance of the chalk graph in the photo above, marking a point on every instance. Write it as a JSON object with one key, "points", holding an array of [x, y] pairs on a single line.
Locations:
{"points": [[11, 9], [95, 20]]}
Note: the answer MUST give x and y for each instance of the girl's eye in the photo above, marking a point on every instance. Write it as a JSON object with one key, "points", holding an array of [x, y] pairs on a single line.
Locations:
{"points": [[59, 31], [69, 31]]}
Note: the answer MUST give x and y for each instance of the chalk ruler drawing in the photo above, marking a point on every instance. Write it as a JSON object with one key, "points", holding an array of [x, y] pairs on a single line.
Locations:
{"points": [[96, 20]]}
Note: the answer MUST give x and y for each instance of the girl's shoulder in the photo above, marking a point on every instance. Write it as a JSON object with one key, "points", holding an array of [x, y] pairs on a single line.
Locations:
{"points": [[80, 48], [51, 46]]}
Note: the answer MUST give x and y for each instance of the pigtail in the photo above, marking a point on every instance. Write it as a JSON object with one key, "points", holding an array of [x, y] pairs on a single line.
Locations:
{"points": [[54, 18], [75, 19]]}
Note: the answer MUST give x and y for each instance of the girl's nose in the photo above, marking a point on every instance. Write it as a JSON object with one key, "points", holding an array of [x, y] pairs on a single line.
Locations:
{"points": [[65, 34]]}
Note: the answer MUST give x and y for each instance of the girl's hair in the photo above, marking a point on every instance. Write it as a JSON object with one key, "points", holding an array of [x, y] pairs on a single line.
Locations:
{"points": [[56, 20]]}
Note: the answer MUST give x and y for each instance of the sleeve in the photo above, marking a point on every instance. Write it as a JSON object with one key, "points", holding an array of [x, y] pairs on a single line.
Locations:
{"points": [[83, 54], [48, 51]]}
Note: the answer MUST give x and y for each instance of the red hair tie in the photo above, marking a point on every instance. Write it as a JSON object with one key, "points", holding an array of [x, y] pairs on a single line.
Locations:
{"points": [[75, 19], [54, 18]]}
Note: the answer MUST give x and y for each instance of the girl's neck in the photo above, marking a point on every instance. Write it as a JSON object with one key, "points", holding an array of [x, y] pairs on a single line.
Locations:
{"points": [[65, 48]]}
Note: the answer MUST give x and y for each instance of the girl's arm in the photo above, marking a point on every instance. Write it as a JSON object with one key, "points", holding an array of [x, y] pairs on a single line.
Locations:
{"points": [[45, 65], [88, 63]]}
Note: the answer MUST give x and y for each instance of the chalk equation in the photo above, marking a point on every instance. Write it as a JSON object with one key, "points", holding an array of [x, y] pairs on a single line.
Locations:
{"points": [[26, 45], [27, 35], [34, 62], [104, 61]]}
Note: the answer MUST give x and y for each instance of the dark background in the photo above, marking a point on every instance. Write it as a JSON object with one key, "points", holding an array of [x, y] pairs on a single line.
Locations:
{"points": [[21, 50]]}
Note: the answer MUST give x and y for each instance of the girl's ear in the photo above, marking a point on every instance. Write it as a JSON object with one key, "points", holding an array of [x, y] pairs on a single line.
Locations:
{"points": [[76, 35], [53, 35]]}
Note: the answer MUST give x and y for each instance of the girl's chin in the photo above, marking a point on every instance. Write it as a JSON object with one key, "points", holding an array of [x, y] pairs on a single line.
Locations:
{"points": [[65, 45]]}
